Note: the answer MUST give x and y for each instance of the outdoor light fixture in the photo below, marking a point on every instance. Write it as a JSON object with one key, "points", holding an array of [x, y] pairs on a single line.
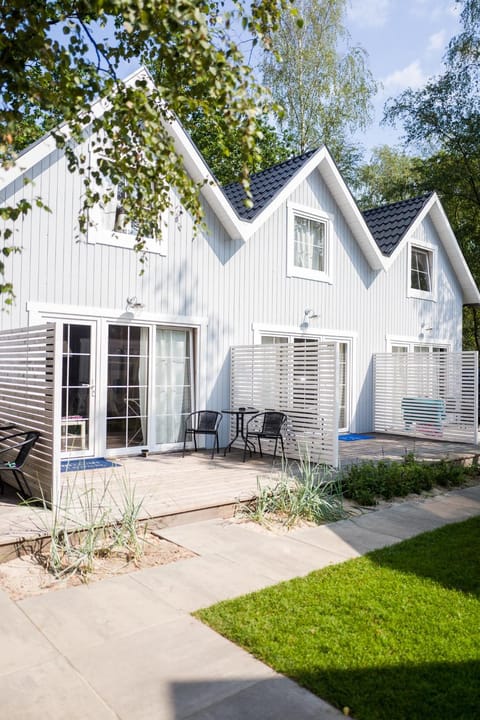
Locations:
{"points": [[307, 316], [133, 304]]}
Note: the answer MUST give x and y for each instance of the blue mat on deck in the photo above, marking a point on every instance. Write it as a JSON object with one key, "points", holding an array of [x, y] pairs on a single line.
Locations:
{"points": [[86, 464], [351, 437]]}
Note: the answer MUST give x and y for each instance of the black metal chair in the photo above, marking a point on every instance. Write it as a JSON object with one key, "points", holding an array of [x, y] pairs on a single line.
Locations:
{"points": [[266, 425], [202, 422], [18, 449]]}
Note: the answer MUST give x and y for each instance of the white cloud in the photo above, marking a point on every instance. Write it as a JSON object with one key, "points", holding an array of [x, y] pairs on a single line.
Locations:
{"points": [[411, 76], [369, 13], [437, 40]]}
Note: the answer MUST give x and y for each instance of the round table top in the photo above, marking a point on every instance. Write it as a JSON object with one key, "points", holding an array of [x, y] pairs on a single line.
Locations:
{"points": [[240, 411]]}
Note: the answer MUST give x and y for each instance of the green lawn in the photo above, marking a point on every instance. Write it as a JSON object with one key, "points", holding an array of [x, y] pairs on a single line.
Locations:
{"points": [[394, 634]]}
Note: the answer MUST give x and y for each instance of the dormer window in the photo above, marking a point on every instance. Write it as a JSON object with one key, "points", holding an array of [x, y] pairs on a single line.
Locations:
{"points": [[111, 226], [421, 272], [308, 244], [122, 224]]}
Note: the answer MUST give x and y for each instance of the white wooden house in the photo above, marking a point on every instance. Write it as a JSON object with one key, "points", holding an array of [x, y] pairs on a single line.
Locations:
{"points": [[139, 352]]}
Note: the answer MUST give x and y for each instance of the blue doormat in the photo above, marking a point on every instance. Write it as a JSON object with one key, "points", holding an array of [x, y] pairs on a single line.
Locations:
{"points": [[86, 464], [351, 437]]}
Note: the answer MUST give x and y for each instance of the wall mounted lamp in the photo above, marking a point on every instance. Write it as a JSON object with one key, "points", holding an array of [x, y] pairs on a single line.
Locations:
{"points": [[133, 304], [307, 316]]}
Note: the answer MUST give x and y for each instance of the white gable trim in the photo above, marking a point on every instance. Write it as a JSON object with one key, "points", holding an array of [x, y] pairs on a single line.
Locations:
{"points": [[236, 227], [471, 294], [239, 229], [46, 145]]}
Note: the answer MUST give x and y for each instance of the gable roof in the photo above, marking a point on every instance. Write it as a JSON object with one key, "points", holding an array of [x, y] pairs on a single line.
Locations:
{"points": [[380, 232], [264, 185], [389, 223]]}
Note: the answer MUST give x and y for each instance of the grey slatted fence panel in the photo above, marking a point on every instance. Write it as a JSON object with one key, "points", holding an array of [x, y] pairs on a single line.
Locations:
{"points": [[430, 395], [300, 380], [27, 382]]}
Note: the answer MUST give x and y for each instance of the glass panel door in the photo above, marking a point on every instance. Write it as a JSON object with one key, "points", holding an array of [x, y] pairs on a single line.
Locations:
{"points": [[342, 385], [77, 390], [127, 386], [173, 383]]}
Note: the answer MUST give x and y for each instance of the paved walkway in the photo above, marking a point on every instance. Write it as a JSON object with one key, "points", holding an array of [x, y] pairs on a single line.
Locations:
{"points": [[128, 648]]}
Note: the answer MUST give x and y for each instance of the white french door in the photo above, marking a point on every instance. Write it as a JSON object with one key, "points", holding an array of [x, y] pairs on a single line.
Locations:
{"points": [[149, 386], [78, 389], [127, 386]]}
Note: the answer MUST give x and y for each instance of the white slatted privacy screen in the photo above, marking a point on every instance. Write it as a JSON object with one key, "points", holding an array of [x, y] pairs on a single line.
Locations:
{"points": [[27, 397], [430, 395], [299, 379]]}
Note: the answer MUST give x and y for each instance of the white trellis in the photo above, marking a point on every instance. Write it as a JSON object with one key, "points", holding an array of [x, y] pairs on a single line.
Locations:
{"points": [[431, 395], [300, 380], [27, 392]]}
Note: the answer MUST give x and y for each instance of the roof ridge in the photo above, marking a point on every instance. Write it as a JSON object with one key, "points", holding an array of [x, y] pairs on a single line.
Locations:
{"points": [[304, 155], [424, 197]]}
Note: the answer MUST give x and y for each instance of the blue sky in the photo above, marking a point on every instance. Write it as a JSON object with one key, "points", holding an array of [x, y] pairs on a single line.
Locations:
{"points": [[405, 41]]}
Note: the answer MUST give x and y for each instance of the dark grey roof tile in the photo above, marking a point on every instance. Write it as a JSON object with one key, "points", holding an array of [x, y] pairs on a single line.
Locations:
{"points": [[264, 186], [389, 223]]}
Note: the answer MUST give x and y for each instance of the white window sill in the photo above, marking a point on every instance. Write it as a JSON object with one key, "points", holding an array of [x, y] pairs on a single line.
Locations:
{"points": [[125, 241], [421, 295], [307, 274]]}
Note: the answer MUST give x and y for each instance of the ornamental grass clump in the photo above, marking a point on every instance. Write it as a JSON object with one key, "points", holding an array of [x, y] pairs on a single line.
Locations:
{"points": [[304, 491], [90, 523]]}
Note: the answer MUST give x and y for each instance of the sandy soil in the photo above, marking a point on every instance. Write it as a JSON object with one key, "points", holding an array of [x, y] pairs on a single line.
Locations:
{"points": [[25, 576]]}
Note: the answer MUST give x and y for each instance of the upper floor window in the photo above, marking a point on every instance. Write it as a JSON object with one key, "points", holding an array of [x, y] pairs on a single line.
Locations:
{"points": [[308, 244], [421, 272], [111, 226]]}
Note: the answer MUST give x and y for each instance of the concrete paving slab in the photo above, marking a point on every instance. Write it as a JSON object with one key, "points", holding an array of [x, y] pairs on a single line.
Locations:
{"points": [[453, 507], [392, 523], [362, 539], [208, 536], [52, 690], [136, 674], [472, 492], [201, 581], [278, 557], [271, 699], [284, 559], [88, 615], [325, 537], [21, 644]]}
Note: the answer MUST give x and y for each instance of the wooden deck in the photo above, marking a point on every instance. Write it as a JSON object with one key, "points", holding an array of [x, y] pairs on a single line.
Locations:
{"points": [[175, 489]]}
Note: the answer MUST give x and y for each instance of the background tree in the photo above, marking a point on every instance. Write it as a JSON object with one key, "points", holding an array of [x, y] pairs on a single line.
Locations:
{"points": [[320, 80], [58, 56], [390, 175], [220, 144], [442, 124]]}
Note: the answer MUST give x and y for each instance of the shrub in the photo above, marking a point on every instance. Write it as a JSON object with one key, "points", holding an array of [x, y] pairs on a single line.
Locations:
{"points": [[368, 482]]}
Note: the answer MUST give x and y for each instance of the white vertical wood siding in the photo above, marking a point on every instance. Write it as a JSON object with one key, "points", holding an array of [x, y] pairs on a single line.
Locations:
{"points": [[300, 380], [27, 398], [235, 285], [433, 395]]}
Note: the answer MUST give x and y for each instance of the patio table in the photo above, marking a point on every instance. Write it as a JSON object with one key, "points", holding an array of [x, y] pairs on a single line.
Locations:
{"points": [[239, 424]]}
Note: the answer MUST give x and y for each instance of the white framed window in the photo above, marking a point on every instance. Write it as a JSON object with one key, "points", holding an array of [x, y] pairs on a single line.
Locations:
{"points": [[422, 267], [308, 244], [109, 224]]}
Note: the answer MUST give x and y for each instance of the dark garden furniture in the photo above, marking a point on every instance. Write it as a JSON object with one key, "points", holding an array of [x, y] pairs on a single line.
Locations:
{"points": [[239, 424], [267, 425], [14, 455], [202, 422]]}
